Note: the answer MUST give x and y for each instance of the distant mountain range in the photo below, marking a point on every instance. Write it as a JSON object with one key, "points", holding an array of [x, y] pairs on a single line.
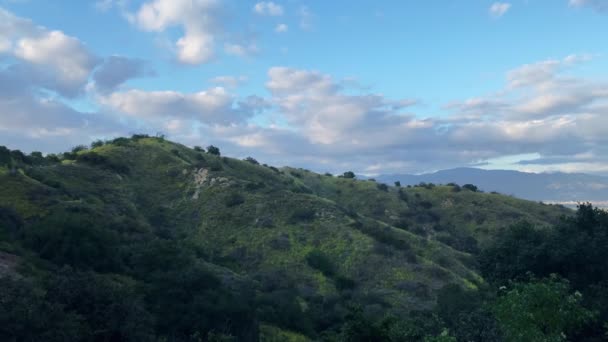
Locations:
{"points": [[565, 188]]}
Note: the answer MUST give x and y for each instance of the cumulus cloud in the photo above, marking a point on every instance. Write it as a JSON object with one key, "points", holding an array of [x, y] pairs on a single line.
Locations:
{"points": [[498, 9], [197, 18], [61, 63], [211, 106], [598, 5], [268, 8], [241, 50]]}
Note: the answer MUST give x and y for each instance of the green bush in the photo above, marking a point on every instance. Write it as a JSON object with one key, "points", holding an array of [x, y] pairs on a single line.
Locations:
{"points": [[470, 187], [213, 150], [234, 199], [321, 262], [302, 214], [349, 174]]}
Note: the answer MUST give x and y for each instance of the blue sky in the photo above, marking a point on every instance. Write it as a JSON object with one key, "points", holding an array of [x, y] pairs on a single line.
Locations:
{"points": [[372, 86]]}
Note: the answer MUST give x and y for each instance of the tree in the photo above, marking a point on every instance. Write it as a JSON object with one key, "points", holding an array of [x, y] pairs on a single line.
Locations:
{"points": [[97, 143], [349, 174], [213, 150], [540, 310], [470, 187], [398, 184], [252, 161]]}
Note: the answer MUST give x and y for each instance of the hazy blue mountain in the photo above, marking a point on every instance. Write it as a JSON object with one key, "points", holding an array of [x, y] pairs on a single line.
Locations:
{"points": [[558, 187]]}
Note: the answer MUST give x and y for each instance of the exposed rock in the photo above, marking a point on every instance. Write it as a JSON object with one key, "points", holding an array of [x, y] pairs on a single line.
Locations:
{"points": [[202, 178]]}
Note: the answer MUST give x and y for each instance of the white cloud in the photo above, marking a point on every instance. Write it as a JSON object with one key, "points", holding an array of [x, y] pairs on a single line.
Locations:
{"points": [[598, 5], [67, 56], [240, 50], [498, 9], [211, 106], [281, 28], [197, 18], [268, 8], [50, 58]]}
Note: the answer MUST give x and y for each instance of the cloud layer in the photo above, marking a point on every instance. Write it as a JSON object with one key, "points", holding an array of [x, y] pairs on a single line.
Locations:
{"points": [[304, 117]]}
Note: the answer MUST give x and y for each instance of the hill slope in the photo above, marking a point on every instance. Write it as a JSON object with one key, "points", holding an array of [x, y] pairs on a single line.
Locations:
{"points": [[288, 248], [550, 187]]}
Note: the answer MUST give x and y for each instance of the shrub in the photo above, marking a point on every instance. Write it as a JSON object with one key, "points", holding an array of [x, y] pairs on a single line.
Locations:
{"points": [[402, 195], [321, 262], [349, 174], [470, 187], [382, 187], [252, 161], [198, 149], [213, 150], [398, 184], [5, 155], [344, 283], [234, 199], [328, 174], [120, 141], [96, 159], [79, 148], [97, 143], [302, 214], [139, 136]]}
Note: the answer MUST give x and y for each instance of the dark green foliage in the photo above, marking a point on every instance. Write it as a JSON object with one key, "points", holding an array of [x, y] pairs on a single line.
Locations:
{"points": [[97, 143], [79, 148], [344, 283], [234, 199], [213, 150], [10, 222], [5, 156], [302, 214], [576, 250], [198, 149], [402, 195], [136, 137], [540, 311], [78, 239], [96, 159], [120, 141], [53, 158], [27, 315], [348, 174], [470, 187], [252, 161], [382, 187], [398, 184], [319, 261], [516, 251], [110, 309]]}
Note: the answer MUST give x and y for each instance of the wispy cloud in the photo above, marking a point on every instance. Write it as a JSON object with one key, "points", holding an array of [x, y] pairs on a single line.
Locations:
{"points": [[498, 9]]}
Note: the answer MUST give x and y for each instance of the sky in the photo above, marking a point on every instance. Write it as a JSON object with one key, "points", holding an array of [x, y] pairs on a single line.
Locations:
{"points": [[399, 86]]}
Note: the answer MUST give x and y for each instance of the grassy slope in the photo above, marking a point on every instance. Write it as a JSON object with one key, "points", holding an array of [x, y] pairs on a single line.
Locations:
{"points": [[263, 223]]}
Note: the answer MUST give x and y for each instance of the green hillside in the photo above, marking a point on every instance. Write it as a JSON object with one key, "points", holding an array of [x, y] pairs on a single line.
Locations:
{"points": [[205, 247]]}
